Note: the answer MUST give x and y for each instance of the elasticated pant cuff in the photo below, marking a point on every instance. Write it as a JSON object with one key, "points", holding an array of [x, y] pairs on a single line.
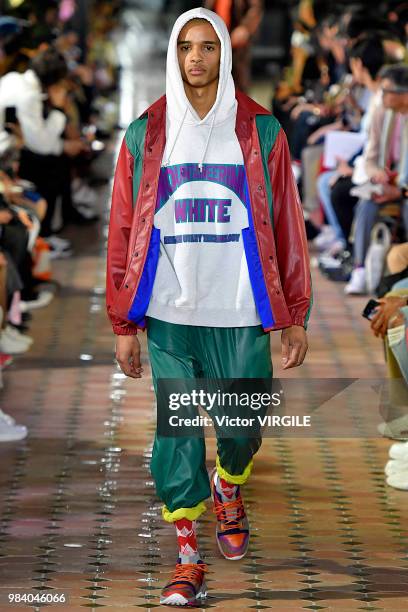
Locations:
{"points": [[236, 479], [189, 513]]}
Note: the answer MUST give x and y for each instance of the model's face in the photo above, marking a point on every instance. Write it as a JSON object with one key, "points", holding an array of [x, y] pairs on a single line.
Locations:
{"points": [[198, 52], [397, 102]]}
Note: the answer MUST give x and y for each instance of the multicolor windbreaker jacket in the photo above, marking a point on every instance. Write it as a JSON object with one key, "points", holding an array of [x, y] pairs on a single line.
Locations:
{"points": [[275, 241]]}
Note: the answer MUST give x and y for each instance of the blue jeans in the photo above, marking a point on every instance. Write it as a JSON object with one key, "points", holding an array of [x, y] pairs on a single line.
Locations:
{"points": [[324, 190], [365, 217]]}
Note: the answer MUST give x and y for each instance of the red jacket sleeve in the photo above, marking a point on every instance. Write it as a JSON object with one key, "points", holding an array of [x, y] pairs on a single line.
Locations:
{"points": [[120, 224], [290, 233]]}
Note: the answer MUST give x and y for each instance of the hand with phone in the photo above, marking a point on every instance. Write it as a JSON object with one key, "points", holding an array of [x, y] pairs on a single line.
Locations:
{"points": [[369, 310], [380, 312], [10, 119]]}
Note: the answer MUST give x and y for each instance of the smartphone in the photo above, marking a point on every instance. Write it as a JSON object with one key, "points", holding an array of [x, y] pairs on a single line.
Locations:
{"points": [[10, 117], [368, 311]]}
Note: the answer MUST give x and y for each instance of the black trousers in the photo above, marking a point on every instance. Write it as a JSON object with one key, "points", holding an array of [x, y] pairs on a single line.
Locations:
{"points": [[52, 176], [13, 241], [344, 204]]}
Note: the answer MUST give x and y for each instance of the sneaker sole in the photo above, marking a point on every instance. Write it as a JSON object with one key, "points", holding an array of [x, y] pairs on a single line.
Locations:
{"points": [[15, 438], [238, 558]]}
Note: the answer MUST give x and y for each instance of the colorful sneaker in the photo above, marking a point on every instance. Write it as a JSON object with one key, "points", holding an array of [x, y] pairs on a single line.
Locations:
{"points": [[187, 586], [232, 531]]}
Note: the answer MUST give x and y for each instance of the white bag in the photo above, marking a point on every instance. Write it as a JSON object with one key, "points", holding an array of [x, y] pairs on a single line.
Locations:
{"points": [[376, 254]]}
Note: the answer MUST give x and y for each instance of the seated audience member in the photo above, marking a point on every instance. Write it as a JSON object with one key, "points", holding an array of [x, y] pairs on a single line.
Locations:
{"points": [[391, 323], [396, 469], [52, 107], [9, 339], [43, 159], [366, 58], [386, 164]]}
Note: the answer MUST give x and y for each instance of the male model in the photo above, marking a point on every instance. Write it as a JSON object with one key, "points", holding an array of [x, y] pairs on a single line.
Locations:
{"points": [[207, 251]]}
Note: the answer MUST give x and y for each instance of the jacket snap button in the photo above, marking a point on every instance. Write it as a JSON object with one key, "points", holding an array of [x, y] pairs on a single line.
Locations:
{"points": [[136, 254], [147, 185], [143, 220], [255, 152], [271, 257], [277, 292], [259, 187], [265, 222], [127, 286], [149, 149]]}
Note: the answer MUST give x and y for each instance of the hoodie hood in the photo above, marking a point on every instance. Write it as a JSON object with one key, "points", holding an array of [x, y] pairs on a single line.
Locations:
{"points": [[179, 110]]}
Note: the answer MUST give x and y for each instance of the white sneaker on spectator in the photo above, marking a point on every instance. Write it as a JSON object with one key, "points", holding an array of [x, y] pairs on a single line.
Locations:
{"points": [[357, 283], [58, 243], [399, 480], [396, 429], [9, 431], [11, 345], [86, 210], [328, 261], [325, 239], [60, 253], [83, 193], [395, 465], [44, 298], [13, 333], [399, 451]]}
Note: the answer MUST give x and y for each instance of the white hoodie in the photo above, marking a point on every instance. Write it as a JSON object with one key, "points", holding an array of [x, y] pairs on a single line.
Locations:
{"points": [[202, 275]]}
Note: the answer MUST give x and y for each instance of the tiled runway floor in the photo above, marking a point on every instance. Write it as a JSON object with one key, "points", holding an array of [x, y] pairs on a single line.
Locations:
{"points": [[78, 511]]}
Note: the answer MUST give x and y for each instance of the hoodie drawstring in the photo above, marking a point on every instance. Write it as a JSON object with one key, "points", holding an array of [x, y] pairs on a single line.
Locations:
{"points": [[177, 135], [200, 165]]}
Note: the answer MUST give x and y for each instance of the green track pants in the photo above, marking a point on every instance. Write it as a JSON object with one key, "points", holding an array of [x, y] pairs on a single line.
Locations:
{"points": [[186, 351]]}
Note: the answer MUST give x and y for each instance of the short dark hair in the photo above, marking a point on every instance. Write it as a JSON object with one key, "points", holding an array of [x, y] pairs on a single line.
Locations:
{"points": [[360, 24], [398, 74], [371, 53], [50, 66]]}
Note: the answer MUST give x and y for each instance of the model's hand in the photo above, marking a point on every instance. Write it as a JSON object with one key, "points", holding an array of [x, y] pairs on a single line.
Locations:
{"points": [[128, 355], [294, 346]]}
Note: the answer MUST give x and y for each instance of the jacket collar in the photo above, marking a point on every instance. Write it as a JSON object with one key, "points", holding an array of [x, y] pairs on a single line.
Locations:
{"points": [[246, 113], [246, 106]]}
